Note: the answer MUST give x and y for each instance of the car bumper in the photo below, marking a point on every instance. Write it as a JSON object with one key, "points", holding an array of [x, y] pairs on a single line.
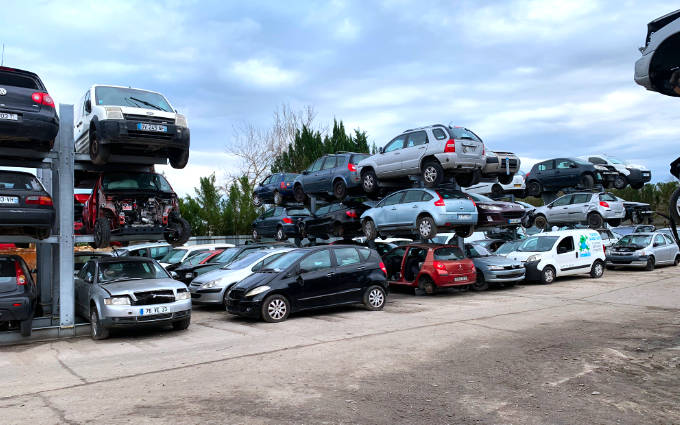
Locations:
{"points": [[532, 271], [448, 220], [514, 275], [447, 280], [245, 308], [642, 70], [452, 162], [499, 219], [627, 260], [10, 311], [613, 215], [132, 315], [31, 127], [33, 217], [498, 165], [124, 132], [206, 296], [639, 176]]}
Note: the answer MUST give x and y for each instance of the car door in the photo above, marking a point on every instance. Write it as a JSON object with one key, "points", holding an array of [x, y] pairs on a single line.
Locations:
{"points": [[566, 173], [544, 173], [387, 214], [661, 249], [263, 189], [409, 207], [672, 247], [566, 257], [316, 280], [308, 175], [413, 151], [349, 274], [388, 163], [82, 125], [577, 210], [323, 176], [558, 211]]}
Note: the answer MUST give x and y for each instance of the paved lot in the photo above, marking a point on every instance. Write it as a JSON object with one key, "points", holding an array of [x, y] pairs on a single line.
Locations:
{"points": [[577, 351]]}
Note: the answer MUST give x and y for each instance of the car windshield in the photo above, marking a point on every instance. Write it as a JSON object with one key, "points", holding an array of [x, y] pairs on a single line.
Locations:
{"points": [[120, 96], [130, 270], [635, 241], [226, 255], [135, 181], [284, 261], [538, 244], [448, 253], [174, 256], [476, 251], [507, 247], [197, 259], [462, 133], [18, 181], [246, 261], [615, 161]]}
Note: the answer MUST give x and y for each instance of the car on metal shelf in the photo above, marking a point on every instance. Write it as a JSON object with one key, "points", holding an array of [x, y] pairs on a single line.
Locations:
{"points": [[637, 212], [492, 213], [635, 175], [332, 176], [657, 69], [25, 207], [276, 188], [492, 187], [501, 165], [337, 219], [279, 223], [593, 209], [646, 250], [180, 253], [155, 250], [129, 121], [560, 173], [18, 294]]}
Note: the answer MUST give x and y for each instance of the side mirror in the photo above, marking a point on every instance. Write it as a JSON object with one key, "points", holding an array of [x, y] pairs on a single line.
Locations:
{"points": [[88, 106], [75, 273], [381, 150], [174, 275], [304, 173], [550, 205]]}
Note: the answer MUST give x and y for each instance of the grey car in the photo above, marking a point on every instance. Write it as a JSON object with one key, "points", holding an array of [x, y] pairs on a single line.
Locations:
{"points": [[593, 209], [493, 269], [422, 212], [658, 68], [128, 292], [331, 176], [430, 152], [644, 250]]}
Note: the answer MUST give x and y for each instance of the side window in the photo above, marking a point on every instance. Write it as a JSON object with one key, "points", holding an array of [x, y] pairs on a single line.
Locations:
{"points": [[329, 163], [346, 256], [268, 213], [88, 272], [560, 202], [158, 253], [396, 144], [85, 99], [364, 252], [279, 211], [668, 239], [412, 196], [317, 165], [566, 245], [564, 163], [659, 240], [547, 165], [392, 199], [439, 134], [581, 198], [596, 160], [316, 261], [427, 197], [416, 139]]}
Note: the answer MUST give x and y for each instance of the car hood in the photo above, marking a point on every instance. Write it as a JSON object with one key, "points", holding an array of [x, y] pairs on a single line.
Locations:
{"points": [[255, 280], [149, 112], [221, 274], [494, 260], [505, 205], [637, 167], [521, 256], [130, 286]]}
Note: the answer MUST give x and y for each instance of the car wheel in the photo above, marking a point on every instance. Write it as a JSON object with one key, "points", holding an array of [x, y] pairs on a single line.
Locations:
{"points": [[496, 190], [547, 275], [99, 153], [595, 221], [178, 231], [257, 201], [597, 269], [374, 298], [465, 179], [280, 234], [102, 233], [256, 236], [615, 222], [275, 308], [541, 222], [506, 178], [181, 325], [369, 182], [369, 229], [178, 158], [433, 173], [426, 285], [339, 190], [534, 188], [299, 194], [587, 181], [278, 198], [620, 182], [97, 330], [650, 264], [677, 260], [480, 284], [26, 326], [42, 233], [675, 206], [464, 231], [427, 228]]}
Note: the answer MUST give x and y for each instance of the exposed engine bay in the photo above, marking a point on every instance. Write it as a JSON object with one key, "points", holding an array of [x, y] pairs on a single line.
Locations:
{"points": [[140, 211]]}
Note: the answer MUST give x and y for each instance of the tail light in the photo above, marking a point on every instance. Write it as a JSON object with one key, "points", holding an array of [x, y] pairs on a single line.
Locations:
{"points": [[439, 202], [352, 214], [282, 185], [450, 146], [39, 200], [473, 202], [438, 265], [43, 99], [383, 268], [287, 220], [121, 218], [21, 278], [604, 204], [351, 167]]}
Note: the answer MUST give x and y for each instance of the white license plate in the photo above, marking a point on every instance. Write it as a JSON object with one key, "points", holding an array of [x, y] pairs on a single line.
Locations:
{"points": [[460, 278], [9, 200], [514, 220], [146, 311], [152, 127], [127, 207], [518, 185], [11, 117], [464, 216]]}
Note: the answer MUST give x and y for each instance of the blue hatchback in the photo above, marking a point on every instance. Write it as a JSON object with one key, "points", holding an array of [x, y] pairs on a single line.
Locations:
{"points": [[277, 188], [422, 212], [331, 176]]}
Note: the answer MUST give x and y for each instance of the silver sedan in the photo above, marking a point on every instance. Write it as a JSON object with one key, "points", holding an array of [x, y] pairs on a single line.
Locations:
{"points": [[644, 250]]}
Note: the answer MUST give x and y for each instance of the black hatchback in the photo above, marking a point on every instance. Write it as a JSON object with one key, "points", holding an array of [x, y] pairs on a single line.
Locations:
{"points": [[560, 173], [28, 118], [18, 293], [337, 219], [310, 278], [25, 207]]}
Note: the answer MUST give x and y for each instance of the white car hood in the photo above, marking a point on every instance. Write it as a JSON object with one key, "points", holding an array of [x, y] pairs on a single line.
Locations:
{"points": [[146, 111], [521, 256], [637, 166]]}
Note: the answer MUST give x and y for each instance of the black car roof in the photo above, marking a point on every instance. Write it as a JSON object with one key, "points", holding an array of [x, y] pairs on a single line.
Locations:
{"points": [[20, 71]]}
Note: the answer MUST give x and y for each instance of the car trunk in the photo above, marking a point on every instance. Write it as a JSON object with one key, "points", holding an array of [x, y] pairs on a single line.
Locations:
{"points": [[8, 276], [468, 145], [20, 89]]}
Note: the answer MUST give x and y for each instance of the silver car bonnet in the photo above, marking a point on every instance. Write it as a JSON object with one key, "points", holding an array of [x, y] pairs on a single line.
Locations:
{"points": [[128, 287]]}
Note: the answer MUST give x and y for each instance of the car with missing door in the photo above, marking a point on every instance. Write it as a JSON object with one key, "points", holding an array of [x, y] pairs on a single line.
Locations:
{"points": [[646, 250], [432, 152], [276, 188], [123, 120], [25, 206], [332, 176], [311, 278], [559, 173], [18, 293], [129, 292], [593, 209], [28, 118]]}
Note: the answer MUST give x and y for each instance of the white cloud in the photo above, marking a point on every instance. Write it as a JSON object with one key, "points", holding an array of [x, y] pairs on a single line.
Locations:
{"points": [[348, 30], [263, 73], [201, 164]]}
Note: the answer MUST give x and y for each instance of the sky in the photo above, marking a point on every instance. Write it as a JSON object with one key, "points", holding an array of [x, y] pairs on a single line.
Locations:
{"points": [[541, 78]]}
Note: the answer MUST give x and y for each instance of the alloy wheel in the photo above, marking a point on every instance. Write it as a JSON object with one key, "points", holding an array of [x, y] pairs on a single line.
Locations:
{"points": [[549, 275], [430, 174], [598, 269], [425, 228], [368, 182], [276, 309], [376, 298]]}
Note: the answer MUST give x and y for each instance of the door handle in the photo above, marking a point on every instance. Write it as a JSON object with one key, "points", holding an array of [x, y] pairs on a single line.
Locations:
{"points": [[361, 268], [330, 274], [576, 254], [415, 206], [79, 124]]}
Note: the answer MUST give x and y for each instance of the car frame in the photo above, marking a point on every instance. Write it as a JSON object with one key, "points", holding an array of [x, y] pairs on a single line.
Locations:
{"points": [[492, 213], [280, 223], [660, 250], [659, 64], [559, 173], [592, 208], [635, 175], [19, 294], [337, 219], [332, 176], [493, 269]]}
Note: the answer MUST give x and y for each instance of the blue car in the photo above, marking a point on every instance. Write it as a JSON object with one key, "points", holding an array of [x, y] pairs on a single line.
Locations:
{"points": [[422, 212], [331, 176], [277, 188]]}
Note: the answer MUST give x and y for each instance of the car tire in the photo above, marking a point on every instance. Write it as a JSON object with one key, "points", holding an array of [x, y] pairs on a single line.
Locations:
{"points": [[496, 190], [339, 230], [464, 232], [302, 229], [41, 234], [597, 269], [97, 330], [256, 236], [275, 308], [675, 206], [465, 179], [257, 201], [587, 181], [595, 221], [299, 194], [369, 182], [534, 188], [480, 284], [541, 222], [375, 298], [278, 198], [99, 153], [102, 233], [26, 326], [178, 158], [433, 174], [179, 231], [181, 325], [369, 229], [651, 263], [615, 222], [506, 178], [427, 228], [280, 234], [427, 286], [620, 182], [677, 260], [339, 190], [548, 275]]}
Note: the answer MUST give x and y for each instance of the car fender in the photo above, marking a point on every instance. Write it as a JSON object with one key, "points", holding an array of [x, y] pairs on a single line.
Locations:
{"points": [[425, 274], [336, 178]]}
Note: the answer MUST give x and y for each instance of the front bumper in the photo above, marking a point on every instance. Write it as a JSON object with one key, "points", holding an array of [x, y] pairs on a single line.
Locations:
{"points": [[532, 272], [31, 128], [245, 308], [41, 218], [126, 134], [627, 260], [511, 275], [8, 311], [500, 219], [637, 176], [206, 296], [133, 315]]}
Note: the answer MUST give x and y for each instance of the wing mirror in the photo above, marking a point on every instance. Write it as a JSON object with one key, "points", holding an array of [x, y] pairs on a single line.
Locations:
{"points": [[550, 205], [304, 173], [88, 106], [174, 275], [381, 150]]}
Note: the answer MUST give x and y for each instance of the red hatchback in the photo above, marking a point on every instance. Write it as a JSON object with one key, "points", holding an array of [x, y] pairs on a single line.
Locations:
{"points": [[429, 266]]}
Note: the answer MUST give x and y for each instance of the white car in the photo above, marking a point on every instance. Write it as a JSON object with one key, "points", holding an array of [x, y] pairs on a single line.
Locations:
{"points": [[155, 250], [549, 255], [634, 174], [494, 188], [181, 253], [212, 287], [122, 120], [657, 69]]}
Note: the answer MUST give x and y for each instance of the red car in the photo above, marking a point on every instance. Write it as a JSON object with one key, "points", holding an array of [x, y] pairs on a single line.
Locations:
{"points": [[429, 267]]}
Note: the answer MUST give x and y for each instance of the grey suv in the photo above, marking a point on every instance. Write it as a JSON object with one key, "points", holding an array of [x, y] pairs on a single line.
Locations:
{"points": [[593, 209], [329, 176], [431, 152]]}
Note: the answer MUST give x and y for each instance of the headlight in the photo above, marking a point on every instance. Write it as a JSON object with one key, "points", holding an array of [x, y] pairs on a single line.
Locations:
{"points": [[533, 258], [490, 207], [188, 275], [213, 284], [183, 296], [496, 268], [258, 290], [124, 300], [180, 120], [113, 113]]}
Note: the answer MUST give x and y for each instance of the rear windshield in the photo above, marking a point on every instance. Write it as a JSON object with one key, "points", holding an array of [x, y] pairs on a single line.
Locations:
{"points": [[452, 194], [16, 181], [608, 197], [119, 96], [298, 211], [448, 253], [8, 78], [358, 158], [463, 133], [135, 181], [289, 177], [7, 271], [538, 244]]}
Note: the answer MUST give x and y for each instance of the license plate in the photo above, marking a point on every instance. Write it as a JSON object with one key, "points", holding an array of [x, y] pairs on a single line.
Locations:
{"points": [[153, 310], [464, 216], [9, 200], [460, 278], [518, 185], [11, 117], [127, 207], [152, 127], [515, 220]]}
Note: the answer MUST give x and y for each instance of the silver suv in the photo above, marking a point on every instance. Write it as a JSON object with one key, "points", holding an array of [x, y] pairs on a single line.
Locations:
{"points": [[432, 152], [593, 209]]}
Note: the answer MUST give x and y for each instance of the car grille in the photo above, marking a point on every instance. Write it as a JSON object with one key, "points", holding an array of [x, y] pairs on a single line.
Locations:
{"points": [[149, 119], [514, 214], [154, 297], [511, 275], [151, 318], [514, 266], [136, 134], [154, 317]]}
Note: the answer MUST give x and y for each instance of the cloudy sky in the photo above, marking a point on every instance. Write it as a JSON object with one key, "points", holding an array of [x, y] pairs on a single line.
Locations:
{"points": [[541, 78]]}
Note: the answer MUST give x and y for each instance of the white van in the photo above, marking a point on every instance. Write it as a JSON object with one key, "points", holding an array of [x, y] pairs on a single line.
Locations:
{"points": [[566, 252]]}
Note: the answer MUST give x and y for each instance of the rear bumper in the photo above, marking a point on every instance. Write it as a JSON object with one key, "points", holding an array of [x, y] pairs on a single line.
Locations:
{"points": [[8, 311], [451, 162], [30, 217], [125, 133], [31, 128], [447, 280], [452, 219]]}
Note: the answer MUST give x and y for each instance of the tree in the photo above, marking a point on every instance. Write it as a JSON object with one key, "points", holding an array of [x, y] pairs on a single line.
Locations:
{"points": [[191, 211]]}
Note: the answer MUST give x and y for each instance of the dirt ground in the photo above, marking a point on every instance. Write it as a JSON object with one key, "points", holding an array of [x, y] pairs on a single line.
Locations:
{"points": [[603, 351]]}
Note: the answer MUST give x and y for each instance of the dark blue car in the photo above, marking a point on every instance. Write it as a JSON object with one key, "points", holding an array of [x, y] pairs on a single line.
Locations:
{"points": [[279, 223], [331, 176], [277, 188]]}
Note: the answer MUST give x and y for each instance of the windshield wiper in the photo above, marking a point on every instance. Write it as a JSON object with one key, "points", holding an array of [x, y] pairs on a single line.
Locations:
{"points": [[268, 270], [147, 103], [120, 279]]}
